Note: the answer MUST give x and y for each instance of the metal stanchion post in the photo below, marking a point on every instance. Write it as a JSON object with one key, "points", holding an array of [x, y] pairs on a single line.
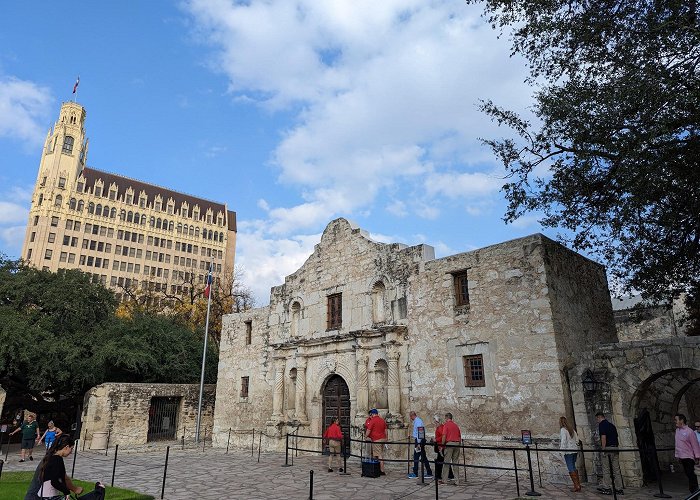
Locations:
{"points": [[435, 479], [1, 464], [165, 471], [114, 465], [75, 454], [583, 462], [612, 477], [286, 451], [345, 464], [408, 457], [252, 443], [228, 441], [464, 459], [311, 485], [532, 492], [422, 470], [259, 445], [515, 469], [204, 440], [84, 438], [109, 435], [661, 493], [7, 451], [537, 456], [183, 442]]}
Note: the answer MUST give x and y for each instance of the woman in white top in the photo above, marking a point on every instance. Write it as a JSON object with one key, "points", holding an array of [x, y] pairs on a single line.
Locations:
{"points": [[568, 440]]}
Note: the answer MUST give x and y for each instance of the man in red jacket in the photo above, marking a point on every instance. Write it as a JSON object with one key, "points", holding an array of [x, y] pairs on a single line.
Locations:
{"points": [[452, 439], [376, 432], [334, 436]]}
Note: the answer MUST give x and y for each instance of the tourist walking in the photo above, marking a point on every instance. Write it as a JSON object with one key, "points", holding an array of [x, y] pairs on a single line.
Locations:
{"points": [[334, 437], [376, 432], [419, 447], [609, 442], [568, 440], [50, 480], [50, 434], [30, 436], [452, 441], [687, 450]]}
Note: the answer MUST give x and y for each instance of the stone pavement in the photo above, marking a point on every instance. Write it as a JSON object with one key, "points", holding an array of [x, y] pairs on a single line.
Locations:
{"points": [[212, 474]]}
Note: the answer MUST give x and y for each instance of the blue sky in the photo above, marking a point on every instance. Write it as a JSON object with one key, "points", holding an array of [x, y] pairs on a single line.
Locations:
{"points": [[292, 112]]}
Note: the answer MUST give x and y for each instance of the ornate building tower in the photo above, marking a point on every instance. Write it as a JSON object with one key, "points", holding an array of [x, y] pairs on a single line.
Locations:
{"points": [[126, 232]]}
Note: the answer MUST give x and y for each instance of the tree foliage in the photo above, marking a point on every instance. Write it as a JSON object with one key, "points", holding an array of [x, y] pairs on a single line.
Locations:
{"points": [[185, 302], [612, 154], [59, 336]]}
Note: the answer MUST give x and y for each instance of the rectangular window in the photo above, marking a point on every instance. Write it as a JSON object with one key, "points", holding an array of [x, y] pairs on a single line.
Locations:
{"points": [[245, 383], [100, 246], [88, 228], [103, 230], [95, 229], [335, 311], [110, 232], [74, 241], [112, 194], [63, 257], [48, 254], [29, 254], [31, 238], [461, 285], [93, 244], [82, 260], [115, 265], [66, 240], [54, 221], [36, 220], [98, 261], [105, 264], [85, 243], [248, 332], [474, 371], [71, 258], [113, 281], [52, 237], [69, 224], [61, 182], [90, 260], [76, 227]]}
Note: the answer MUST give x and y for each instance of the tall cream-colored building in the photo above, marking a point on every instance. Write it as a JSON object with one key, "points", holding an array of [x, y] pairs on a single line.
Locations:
{"points": [[127, 233]]}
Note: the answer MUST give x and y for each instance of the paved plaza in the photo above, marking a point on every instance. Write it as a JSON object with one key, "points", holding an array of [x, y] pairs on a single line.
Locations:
{"points": [[215, 475]]}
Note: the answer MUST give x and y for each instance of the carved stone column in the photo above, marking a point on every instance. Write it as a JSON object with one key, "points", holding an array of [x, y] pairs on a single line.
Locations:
{"points": [[278, 393], [362, 384], [393, 388], [300, 395]]}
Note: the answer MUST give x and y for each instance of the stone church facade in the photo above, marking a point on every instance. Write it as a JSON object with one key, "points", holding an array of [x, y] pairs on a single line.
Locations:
{"points": [[489, 335]]}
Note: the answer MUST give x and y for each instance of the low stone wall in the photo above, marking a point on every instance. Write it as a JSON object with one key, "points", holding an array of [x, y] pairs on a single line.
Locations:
{"points": [[123, 412]]}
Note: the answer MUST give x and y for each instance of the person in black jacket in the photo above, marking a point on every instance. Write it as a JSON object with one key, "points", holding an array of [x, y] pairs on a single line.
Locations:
{"points": [[50, 480]]}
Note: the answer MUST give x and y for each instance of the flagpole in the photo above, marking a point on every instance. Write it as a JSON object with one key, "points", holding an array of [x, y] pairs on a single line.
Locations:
{"points": [[204, 355]]}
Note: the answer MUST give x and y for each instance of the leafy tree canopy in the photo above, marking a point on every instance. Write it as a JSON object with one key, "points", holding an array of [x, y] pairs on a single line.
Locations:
{"points": [[59, 336], [612, 157]]}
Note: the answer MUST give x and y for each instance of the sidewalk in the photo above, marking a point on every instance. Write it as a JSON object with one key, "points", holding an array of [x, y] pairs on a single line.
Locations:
{"points": [[213, 475]]}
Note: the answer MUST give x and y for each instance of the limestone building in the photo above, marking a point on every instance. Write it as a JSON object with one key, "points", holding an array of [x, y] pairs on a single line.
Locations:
{"points": [[125, 232], [489, 335]]}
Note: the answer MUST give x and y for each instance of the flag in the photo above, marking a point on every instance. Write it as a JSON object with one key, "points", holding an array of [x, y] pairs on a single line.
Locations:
{"points": [[75, 87], [207, 288]]}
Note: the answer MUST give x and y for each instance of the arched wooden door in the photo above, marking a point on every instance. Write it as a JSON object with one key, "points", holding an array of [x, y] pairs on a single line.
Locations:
{"points": [[336, 404]]}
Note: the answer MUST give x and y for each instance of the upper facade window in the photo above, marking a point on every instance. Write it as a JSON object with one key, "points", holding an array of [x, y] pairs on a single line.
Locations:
{"points": [[335, 311], [67, 145], [461, 285], [474, 371], [61, 182]]}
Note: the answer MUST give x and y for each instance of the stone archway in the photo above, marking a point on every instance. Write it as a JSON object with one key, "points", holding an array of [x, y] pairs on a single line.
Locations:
{"points": [[336, 404], [662, 395]]}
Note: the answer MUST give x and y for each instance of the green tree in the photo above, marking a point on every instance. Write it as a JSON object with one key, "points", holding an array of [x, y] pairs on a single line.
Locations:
{"points": [[59, 336], [612, 154]]}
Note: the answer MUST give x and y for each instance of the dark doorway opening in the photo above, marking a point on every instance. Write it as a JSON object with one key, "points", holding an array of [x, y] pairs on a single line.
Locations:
{"points": [[162, 418], [336, 404]]}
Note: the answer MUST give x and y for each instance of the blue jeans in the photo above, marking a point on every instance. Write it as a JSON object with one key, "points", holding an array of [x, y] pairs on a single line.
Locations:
{"points": [[421, 456], [571, 461]]}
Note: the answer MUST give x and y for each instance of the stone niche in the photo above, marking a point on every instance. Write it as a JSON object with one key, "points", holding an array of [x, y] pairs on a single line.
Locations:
{"points": [[144, 414]]}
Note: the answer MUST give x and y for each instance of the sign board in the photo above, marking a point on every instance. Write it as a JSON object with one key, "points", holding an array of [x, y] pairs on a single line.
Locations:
{"points": [[526, 437], [3, 428], [421, 433]]}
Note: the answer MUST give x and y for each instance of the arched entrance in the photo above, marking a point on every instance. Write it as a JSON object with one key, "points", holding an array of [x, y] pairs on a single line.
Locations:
{"points": [[336, 404]]}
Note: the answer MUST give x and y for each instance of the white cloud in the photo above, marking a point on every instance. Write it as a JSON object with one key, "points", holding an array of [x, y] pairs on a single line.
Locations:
{"points": [[12, 238], [24, 110], [384, 97], [11, 213]]}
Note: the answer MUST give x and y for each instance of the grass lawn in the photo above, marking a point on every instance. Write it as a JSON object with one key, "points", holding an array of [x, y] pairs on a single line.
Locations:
{"points": [[13, 486]]}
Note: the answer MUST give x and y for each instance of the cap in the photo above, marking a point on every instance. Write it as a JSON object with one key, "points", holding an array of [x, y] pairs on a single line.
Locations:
{"points": [[374, 411], [436, 418]]}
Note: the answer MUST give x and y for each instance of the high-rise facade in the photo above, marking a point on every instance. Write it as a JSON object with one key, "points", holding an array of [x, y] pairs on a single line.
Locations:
{"points": [[130, 235]]}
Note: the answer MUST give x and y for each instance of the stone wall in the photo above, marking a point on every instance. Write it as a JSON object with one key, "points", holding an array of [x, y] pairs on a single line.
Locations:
{"points": [[3, 395], [123, 411], [403, 338]]}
